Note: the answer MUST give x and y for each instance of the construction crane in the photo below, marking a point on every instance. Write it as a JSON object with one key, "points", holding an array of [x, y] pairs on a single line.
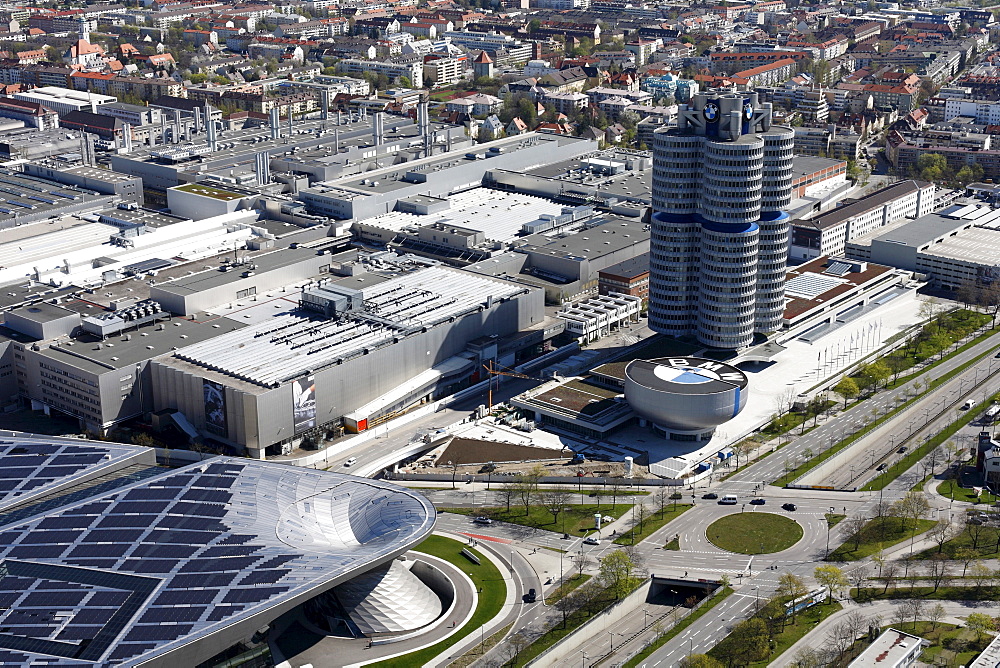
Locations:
{"points": [[492, 371]]}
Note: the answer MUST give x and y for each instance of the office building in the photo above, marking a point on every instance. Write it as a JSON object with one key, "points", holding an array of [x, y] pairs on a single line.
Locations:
{"points": [[721, 180]]}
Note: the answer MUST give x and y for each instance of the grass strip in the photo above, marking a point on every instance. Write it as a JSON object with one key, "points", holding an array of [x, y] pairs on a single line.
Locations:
{"points": [[650, 524], [566, 588], [486, 577], [576, 519], [475, 653], [880, 533], [717, 598]]}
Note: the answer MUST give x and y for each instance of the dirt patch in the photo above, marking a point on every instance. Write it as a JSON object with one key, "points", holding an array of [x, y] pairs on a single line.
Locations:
{"points": [[475, 451]]}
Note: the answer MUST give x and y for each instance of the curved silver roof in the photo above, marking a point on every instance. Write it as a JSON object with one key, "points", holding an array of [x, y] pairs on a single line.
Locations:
{"points": [[218, 549]]}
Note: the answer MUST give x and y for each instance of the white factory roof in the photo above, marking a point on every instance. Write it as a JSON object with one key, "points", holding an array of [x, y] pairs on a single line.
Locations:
{"points": [[499, 215], [277, 351]]}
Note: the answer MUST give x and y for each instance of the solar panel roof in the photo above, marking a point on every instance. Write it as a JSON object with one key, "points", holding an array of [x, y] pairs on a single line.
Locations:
{"points": [[33, 467], [215, 549]]}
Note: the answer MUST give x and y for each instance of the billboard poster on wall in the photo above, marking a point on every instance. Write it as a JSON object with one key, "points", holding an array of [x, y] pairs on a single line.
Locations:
{"points": [[215, 408], [304, 403]]}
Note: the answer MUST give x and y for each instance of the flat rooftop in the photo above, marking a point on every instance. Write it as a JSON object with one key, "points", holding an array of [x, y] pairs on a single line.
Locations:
{"points": [[978, 244], [36, 468], [498, 214], [613, 234], [804, 165], [208, 191], [206, 280], [862, 205], [134, 346], [825, 279], [285, 346]]}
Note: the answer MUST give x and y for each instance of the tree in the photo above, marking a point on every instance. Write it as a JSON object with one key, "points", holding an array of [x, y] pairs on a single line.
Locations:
{"points": [[914, 506], [791, 586], [807, 657], [855, 527], [748, 641], [877, 372], [616, 573], [580, 560], [937, 569], [699, 661], [742, 448], [936, 614], [941, 533], [507, 493], [527, 487], [889, 571], [554, 502], [662, 499], [965, 555], [568, 604], [980, 574], [616, 485], [859, 576], [914, 608], [832, 577], [981, 623]]}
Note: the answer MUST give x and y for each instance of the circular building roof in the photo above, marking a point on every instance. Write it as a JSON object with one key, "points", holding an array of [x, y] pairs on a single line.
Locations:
{"points": [[685, 393]]}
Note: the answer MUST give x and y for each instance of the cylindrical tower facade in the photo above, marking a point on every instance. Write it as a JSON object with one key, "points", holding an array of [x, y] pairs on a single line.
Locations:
{"points": [[727, 284], [775, 230], [674, 233]]}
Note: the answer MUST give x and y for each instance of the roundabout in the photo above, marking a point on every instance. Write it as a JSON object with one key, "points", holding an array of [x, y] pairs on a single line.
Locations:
{"points": [[754, 533]]}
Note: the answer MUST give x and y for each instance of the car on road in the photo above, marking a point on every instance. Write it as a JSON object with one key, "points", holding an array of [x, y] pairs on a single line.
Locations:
{"points": [[351, 462], [530, 597], [710, 495], [902, 449], [591, 540], [881, 467], [789, 506], [997, 356], [483, 520], [758, 502]]}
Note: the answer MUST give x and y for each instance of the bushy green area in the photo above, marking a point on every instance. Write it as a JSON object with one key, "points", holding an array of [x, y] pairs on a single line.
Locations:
{"points": [[754, 533], [576, 519], [485, 576]]}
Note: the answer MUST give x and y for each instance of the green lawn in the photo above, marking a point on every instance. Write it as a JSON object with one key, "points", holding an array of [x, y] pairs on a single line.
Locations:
{"points": [[754, 533], [650, 524], [485, 576], [566, 587], [878, 534], [673, 544], [833, 519], [579, 518], [717, 598], [795, 628], [951, 489], [979, 540]]}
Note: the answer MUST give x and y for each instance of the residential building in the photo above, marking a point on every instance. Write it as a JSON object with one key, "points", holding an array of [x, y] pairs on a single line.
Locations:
{"points": [[414, 71]]}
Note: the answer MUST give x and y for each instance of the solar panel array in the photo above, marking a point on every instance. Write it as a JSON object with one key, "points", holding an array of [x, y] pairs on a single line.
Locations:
{"points": [[133, 573], [32, 467]]}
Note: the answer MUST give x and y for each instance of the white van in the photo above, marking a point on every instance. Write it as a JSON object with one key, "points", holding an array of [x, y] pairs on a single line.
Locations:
{"points": [[728, 500], [968, 404]]}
